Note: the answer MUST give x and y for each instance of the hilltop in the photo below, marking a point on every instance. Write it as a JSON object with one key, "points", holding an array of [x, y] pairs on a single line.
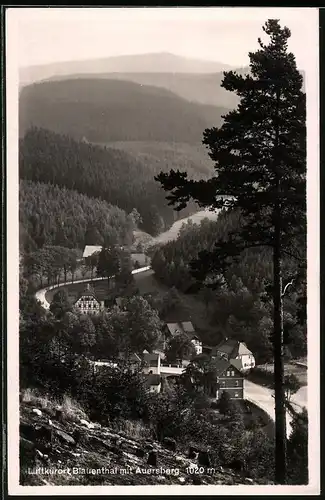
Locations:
{"points": [[112, 110]]}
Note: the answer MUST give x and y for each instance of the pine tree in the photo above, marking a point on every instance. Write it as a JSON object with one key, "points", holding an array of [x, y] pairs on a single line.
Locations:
{"points": [[260, 161]]}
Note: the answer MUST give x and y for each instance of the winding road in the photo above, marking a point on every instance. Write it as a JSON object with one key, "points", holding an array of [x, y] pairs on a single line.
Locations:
{"points": [[40, 294], [263, 397]]}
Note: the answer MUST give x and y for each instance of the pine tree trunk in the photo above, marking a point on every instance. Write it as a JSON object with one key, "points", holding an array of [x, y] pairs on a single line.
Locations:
{"points": [[279, 394]]}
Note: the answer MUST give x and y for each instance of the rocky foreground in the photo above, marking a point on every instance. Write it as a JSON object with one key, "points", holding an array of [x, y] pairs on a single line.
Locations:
{"points": [[56, 450]]}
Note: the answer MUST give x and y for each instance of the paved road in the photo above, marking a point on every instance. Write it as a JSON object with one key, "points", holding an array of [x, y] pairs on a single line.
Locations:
{"points": [[40, 294], [262, 396]]}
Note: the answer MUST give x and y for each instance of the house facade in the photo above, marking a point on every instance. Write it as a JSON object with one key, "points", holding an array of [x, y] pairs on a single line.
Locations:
{"points": [[152, 363], [87, 303], [230, 379], [238, 352]]}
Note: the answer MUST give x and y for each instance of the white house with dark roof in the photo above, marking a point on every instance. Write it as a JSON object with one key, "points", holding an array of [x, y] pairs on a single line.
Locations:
{"points": [[151, 363], [184, 327], [235, 351], [87, 303]]}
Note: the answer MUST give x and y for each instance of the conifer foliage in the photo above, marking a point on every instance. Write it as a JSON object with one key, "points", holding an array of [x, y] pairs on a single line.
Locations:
{"points": [[260, 161]]}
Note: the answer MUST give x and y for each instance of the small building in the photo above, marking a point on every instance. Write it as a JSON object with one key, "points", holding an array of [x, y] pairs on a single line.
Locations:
{"points": [[183, 327], [87, 302], [220, 375], [152, 363], [229, 378], [90, 250], [153, 383], [235, 351]]}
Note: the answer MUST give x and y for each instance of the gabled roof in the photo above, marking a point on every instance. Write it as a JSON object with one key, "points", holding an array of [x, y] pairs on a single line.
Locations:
{"points": [[220, 365], [184, 327], [231, 348], [174, 328], [88, 291], [243, 349], [188, 327], [91, 249]]}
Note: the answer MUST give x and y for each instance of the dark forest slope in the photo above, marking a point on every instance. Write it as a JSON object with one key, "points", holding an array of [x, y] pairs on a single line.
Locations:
{"points": [[109, 174], [111, 110]]}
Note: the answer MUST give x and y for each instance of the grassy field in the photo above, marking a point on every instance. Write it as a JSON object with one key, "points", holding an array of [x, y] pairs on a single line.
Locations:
{"points": [[172, 233]]}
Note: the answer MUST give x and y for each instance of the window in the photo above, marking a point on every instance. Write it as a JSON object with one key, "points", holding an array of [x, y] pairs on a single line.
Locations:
{"points": [[223, 383], [236, 394], [236, 383], [228, 373], [232, 373]]}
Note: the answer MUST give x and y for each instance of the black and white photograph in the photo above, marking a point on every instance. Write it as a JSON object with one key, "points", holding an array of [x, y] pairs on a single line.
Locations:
{"points": [[163, 250]]}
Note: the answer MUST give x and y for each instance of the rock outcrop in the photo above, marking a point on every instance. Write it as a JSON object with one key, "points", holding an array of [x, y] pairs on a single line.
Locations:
{"points": [[60, 452]]}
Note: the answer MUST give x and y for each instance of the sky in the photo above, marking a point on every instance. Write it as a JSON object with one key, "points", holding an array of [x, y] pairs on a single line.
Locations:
{"points": [[47, 35]]}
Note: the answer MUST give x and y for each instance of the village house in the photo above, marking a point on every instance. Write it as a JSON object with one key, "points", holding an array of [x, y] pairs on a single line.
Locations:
{"points": [[235, 351], [224, 376], [184, 327], [88, 303], [230, 379], [90, 250], [152, 362]]}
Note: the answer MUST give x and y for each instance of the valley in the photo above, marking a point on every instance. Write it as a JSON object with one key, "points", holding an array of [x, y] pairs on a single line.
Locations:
{"points": [[96, 325]]}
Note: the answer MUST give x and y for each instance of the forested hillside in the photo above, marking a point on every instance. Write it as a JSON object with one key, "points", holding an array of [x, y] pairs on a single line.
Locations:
{"points": [[160, 156], [109, 174], [53, 215], [202, 88], [241, 306], [112, 110]]}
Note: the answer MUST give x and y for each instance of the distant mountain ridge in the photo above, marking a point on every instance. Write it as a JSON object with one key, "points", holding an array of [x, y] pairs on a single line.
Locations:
{"points": [[163, 62], [203, 88], [114, 110]]}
